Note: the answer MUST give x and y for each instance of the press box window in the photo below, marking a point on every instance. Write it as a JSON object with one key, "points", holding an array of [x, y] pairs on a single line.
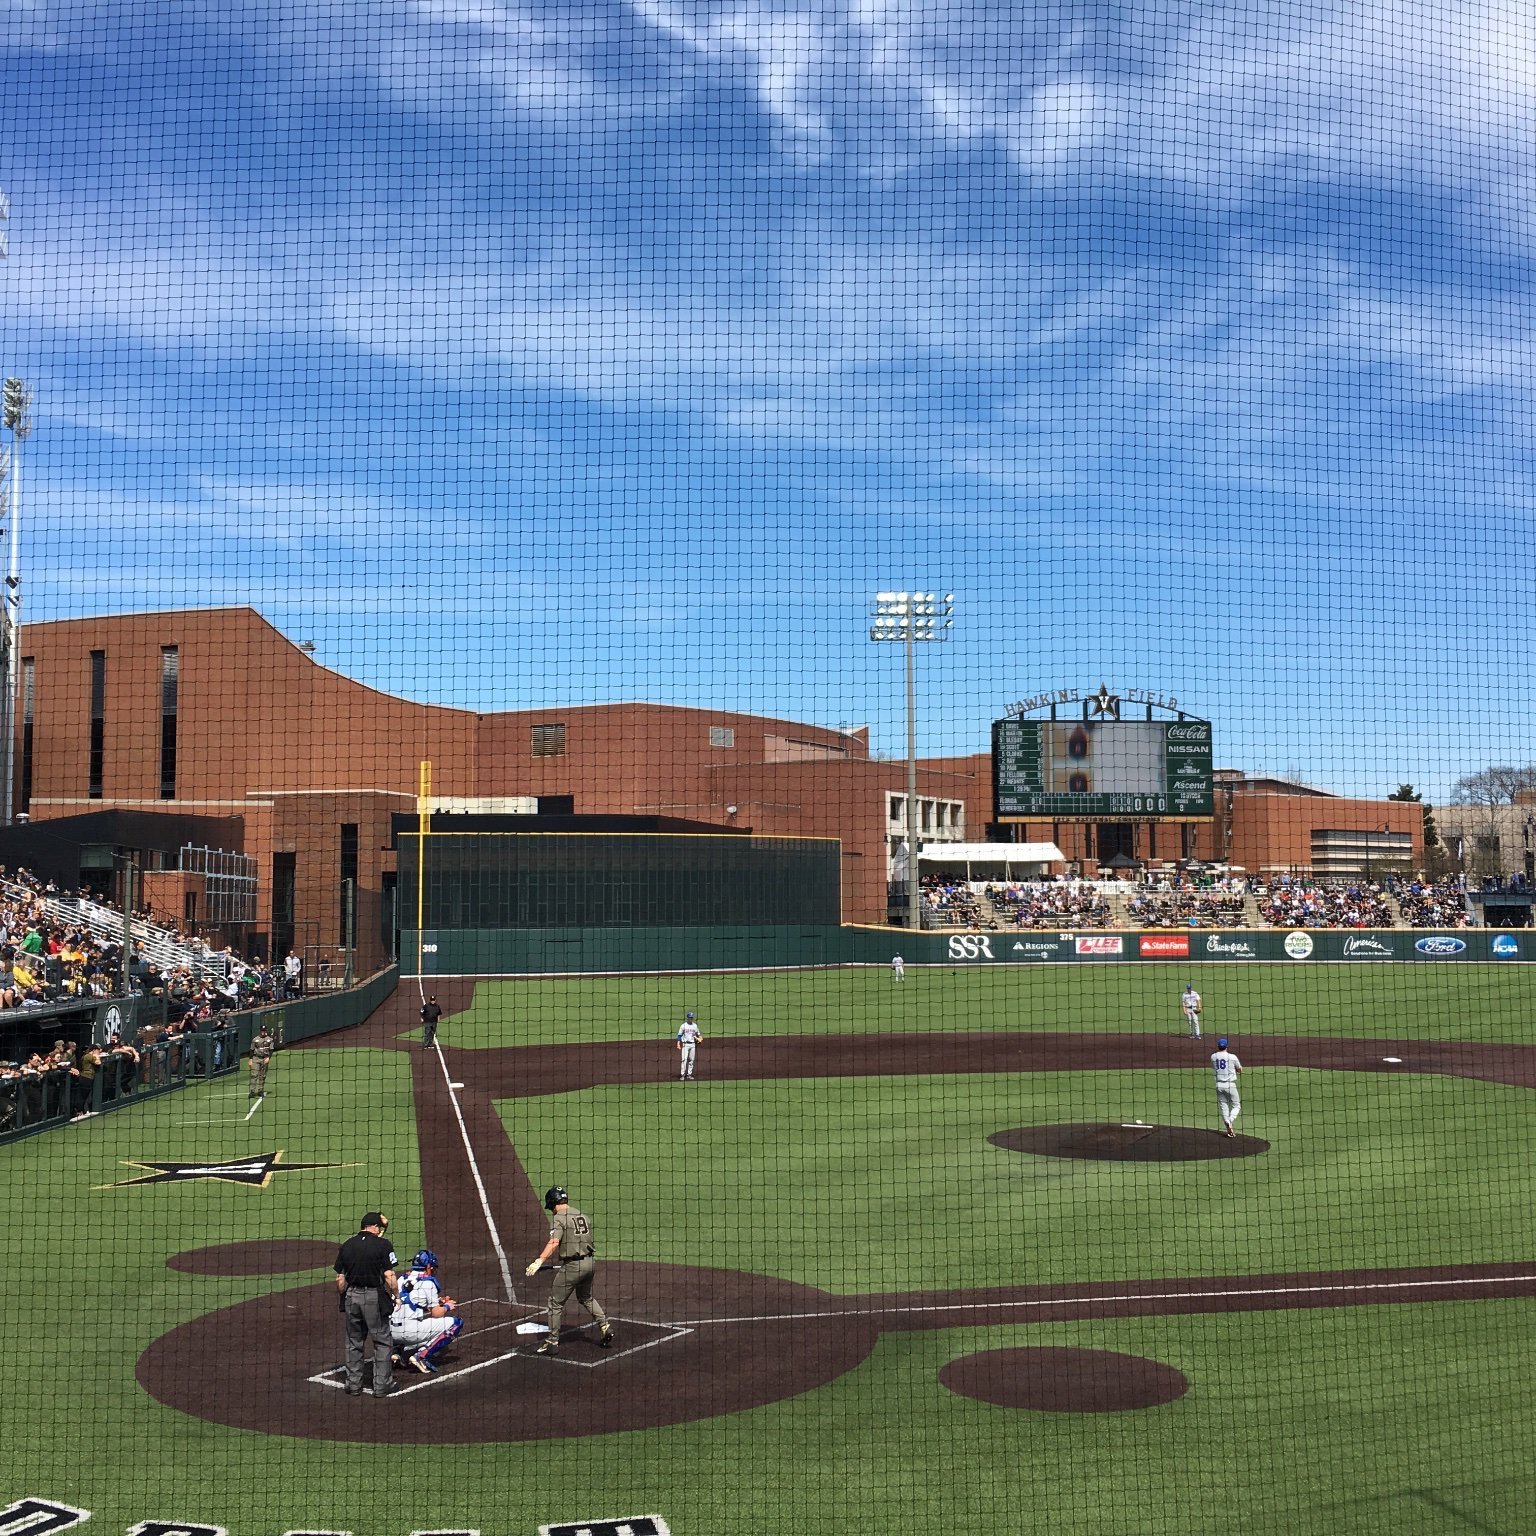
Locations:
{"points": [[549, 741], [722, 736]]}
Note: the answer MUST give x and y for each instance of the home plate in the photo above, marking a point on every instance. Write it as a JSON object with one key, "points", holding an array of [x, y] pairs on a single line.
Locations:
{"points": [[533, 1327], [455, 1085], [1396, 1061]]}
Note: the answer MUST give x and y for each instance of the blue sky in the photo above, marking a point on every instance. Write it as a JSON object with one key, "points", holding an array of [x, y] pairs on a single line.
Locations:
{"points": [[522, 355]]}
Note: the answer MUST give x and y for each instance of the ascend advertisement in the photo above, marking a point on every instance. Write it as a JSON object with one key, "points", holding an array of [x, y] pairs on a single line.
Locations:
{"points": [[1295, 947]]}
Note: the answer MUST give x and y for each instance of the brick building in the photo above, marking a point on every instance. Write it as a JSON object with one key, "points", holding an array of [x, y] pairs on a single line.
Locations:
{"points": [[215, 712]]}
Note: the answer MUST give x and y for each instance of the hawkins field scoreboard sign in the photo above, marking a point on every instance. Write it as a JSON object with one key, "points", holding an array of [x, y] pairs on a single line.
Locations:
{"points": [[1101, 769]]}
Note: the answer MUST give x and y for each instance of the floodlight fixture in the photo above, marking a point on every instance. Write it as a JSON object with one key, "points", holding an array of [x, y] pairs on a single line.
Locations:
{"points": [[912, 617]]}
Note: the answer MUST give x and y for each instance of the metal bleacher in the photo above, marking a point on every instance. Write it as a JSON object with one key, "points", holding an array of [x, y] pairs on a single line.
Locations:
{"points": [[166, 949]]}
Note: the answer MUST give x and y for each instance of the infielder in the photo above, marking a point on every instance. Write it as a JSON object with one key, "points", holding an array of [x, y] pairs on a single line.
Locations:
{"points": [[1227, 1068], [1192, 1007], [423, 1323], [688, 1037], [262, 1046], [898, 968], [570, 1239]]}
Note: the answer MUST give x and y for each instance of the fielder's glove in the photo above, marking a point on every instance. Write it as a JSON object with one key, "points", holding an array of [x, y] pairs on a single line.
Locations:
{"points": [[532, 1269]]}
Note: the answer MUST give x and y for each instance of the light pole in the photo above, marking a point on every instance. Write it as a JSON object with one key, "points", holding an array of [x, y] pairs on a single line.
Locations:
{"points": [[17, 419], [908, 617]]}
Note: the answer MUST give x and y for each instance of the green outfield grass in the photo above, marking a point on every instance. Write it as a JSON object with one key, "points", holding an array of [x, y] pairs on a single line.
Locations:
{"points": [[891, 1184], [1461, 1001], [1402, 1418]]}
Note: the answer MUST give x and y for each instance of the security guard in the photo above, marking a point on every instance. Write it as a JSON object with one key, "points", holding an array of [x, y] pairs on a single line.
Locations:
{"points": [[570, 1239], [366, 1285]]}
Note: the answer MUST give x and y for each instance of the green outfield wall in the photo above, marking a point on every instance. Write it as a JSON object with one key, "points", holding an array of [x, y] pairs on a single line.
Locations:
{"points": [[320, 1013], [575, 951]]}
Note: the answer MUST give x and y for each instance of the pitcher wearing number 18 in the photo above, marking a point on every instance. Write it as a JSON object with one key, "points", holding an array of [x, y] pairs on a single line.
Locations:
{"points": [[1227, 1068]]}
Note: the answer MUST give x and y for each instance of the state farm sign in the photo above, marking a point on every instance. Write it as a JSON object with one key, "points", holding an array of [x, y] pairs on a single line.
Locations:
{"points": [[1167, 946]]}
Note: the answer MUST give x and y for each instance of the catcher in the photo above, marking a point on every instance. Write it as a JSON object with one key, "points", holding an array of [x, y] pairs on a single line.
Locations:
{"points": [[425, 1321]]}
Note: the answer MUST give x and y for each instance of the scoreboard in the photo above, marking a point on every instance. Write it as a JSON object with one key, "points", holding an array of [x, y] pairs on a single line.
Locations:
{"points": [[1100, 769]]}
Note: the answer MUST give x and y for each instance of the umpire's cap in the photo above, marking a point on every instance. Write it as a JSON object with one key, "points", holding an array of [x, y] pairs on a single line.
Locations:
{"points": [[374, 1219], [554, 1196]]}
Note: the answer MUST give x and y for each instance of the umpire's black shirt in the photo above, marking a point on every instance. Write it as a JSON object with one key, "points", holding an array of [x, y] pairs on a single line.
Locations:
{"points": [[363, 1260]]}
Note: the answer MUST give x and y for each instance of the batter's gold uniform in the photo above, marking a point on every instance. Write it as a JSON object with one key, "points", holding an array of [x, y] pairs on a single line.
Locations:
{"points": [[577, 1266]]}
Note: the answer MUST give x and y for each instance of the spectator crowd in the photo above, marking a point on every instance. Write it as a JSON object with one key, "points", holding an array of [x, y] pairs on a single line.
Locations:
{"points": [[46, 962], [1434, 905], [1053, 905], [1292, 903]]}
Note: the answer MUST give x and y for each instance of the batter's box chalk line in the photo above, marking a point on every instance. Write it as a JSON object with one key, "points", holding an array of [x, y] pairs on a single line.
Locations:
{"points": [[406, 1380]]}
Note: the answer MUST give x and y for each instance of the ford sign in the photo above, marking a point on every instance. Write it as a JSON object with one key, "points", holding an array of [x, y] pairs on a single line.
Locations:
{"points": [[1438, 945]]}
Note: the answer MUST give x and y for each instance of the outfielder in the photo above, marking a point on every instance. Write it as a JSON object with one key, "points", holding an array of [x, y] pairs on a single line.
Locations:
{"points": [[1192, 1008], [898, 968], [423, 1323], [688, 1038], [1227, 1069], [570, 1239]]}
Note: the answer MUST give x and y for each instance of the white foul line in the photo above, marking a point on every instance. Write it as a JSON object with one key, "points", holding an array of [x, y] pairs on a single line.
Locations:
{"points": [[474, 1168], [1083, 1301], [254, 1107]]}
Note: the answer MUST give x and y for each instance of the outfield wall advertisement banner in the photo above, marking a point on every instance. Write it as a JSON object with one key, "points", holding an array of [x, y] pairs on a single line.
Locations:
{"points": [[1298, 947], [609, 951]]}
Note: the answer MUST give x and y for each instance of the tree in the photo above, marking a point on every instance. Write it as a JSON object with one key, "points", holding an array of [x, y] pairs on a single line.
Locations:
{"points": [[1491, 789], [1406, 793]]}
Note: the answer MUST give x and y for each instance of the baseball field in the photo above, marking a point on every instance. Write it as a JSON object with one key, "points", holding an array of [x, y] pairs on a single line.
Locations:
{"points": [[962, 1253]]}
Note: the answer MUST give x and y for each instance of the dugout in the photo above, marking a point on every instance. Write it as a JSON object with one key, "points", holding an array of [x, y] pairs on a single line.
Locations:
{"points": [[501, 873]]}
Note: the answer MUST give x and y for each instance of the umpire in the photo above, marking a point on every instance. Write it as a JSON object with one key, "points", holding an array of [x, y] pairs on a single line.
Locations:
{"points": [[366, 1285]]}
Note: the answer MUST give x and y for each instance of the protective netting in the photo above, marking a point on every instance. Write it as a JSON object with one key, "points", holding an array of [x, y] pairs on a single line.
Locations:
{"points": [[806, 625]]}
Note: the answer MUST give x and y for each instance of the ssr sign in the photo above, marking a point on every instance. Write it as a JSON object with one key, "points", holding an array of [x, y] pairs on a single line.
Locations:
{"points": [[971, 946]]}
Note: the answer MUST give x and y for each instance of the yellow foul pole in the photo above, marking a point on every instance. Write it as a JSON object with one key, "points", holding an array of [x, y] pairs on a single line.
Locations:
{"points": [[423, 824]]}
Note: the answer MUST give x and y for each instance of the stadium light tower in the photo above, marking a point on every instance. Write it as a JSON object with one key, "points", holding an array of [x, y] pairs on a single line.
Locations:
{"points": [[16, 414], [908, 618]]}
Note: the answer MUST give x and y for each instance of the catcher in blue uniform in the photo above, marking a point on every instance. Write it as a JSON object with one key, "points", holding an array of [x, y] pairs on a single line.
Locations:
{"points": [[424, 1322]]}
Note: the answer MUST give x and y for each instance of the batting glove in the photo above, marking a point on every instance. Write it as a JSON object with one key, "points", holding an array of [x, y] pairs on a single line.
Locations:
{"points": [[532, 1269]]}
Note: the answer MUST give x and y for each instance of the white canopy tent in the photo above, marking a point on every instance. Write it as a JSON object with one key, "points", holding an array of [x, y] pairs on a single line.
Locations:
{"points": [[991, 861]]}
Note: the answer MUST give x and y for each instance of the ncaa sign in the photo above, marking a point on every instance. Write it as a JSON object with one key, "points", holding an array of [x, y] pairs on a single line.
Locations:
{"points": [[1505, 946]]}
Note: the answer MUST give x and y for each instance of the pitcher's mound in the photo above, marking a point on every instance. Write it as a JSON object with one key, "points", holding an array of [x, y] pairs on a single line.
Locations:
{"points": [[1128, 1143], [1064, 1380]]}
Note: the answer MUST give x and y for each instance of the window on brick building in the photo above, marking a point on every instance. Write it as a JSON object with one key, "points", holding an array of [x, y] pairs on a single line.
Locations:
{"points": [[98, 748], [722, 736], [28, 706], [170, 669], [549, 741], [348, 900]]}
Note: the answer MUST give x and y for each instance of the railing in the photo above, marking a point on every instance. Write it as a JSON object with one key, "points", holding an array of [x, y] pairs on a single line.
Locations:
{"points": [[159, 943], [37, 1101]]}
